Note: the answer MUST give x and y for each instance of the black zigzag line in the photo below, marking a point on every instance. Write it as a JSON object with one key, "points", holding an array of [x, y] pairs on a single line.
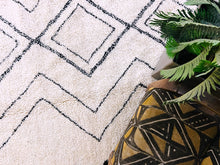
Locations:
{"points": [[87, 61], [66, 91], [30, 84], [21, 4], [16, 45], [41, 74], [75, 123]]}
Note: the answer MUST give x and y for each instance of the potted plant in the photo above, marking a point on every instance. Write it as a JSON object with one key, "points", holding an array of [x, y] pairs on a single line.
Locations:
{"points": [[193, 42]]}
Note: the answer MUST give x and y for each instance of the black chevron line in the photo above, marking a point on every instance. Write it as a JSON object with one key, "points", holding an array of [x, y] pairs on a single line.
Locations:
{"points": [[67, 117], [29, 11], [41, 74], [72, 95]]}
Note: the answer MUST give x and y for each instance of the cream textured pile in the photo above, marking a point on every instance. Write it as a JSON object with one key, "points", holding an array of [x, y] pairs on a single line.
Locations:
{"points": [[72, 73]]}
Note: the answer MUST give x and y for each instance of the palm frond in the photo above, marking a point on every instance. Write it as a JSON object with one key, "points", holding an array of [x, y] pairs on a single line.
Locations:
{"points": [[186, 70], [209, 11], [165, 17], [187, 30], [200, 89], [191, 30], [207, 14], [199, 44]]}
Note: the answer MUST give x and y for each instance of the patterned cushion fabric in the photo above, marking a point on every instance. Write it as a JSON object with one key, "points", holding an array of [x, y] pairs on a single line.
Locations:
{"points": [[165, 134], [212, 156]]}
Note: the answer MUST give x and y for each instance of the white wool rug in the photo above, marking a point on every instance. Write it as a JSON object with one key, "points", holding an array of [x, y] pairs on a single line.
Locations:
{"points": [[72, 73]]}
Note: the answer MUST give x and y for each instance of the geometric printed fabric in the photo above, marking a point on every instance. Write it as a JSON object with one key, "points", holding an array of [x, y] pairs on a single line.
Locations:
{"points": [[165, 134], [212, 156]]}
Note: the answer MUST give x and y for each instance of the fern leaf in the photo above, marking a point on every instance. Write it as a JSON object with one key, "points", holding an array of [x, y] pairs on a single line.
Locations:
{"points": [[186, 70], [200, 89], [192, 30], [183, 45], [207, 14]]}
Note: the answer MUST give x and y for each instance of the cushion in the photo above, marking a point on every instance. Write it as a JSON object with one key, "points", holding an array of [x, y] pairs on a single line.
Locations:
{"points": [[212, 156], [177, 134]]}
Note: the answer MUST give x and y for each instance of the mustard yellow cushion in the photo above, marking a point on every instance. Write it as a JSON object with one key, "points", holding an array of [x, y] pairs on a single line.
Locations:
{"points": [[165, 134]]}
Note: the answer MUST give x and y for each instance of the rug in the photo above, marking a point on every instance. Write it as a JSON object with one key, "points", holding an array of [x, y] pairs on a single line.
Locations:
{"points": [[72, 73]]}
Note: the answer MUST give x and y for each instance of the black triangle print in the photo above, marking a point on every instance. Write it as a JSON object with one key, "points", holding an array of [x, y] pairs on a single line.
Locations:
{"points": [[160, 128], [174, 152]]}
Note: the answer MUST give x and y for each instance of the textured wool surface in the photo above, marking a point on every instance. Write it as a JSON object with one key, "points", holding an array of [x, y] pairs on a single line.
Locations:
{"points": [[72, 73]]}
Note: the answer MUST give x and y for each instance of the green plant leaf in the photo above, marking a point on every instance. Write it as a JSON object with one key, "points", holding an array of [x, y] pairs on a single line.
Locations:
{"points": [[204, 73], [184, 31], [197, 2], [206, 14], [186, 70], [217, 56], [171, 46], [185, 27], [183, 45], [200, 89], [205, 66]]}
